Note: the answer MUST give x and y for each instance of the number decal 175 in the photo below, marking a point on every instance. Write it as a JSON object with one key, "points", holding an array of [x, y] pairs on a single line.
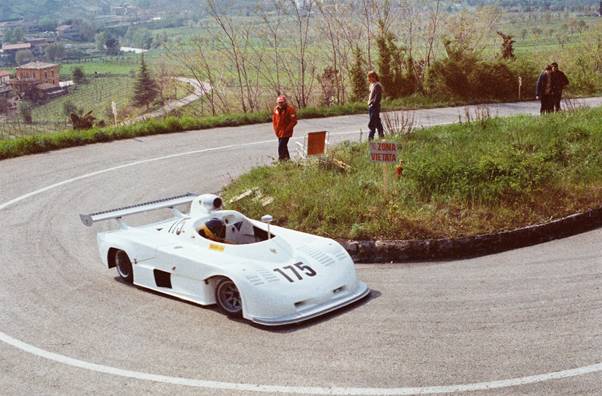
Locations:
{"points": [[296, 271]]}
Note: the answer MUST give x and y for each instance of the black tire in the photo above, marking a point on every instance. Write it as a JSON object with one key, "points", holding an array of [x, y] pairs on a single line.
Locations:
{"points": [[228, 298], [124, 266]]}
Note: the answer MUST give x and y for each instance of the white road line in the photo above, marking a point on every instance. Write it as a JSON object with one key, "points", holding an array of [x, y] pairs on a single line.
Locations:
{"points": [[429, 390], [56, 357]]}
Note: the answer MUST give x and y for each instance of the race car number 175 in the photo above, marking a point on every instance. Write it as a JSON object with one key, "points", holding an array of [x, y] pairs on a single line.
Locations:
{"points": [[297, 270]]}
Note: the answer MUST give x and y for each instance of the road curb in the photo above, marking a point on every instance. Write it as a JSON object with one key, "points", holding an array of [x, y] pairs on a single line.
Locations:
{"points": [[399, 251]]}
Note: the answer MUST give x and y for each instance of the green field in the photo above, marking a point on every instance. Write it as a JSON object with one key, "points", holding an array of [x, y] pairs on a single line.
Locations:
{"points": [[122, 66]]}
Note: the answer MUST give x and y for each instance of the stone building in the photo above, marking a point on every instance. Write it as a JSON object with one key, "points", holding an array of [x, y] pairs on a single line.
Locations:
{"points": [[38, 81], [4, 77]]}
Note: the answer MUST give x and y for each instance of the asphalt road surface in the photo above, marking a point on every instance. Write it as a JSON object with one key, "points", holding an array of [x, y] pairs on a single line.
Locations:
{"points": [[522, 322]]}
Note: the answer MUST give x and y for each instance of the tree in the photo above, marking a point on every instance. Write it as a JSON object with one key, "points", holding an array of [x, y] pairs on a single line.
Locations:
{"points": [[3, 105], [328, 81], [235, 43], [47, 24], [25, 112], [385, 57], [507, 50], [23, 56], [112, 46], [69, 107], [86, 30], [145, 88], [78, 75], [397, 74], [15, 35], [100, 39], [55, 52], [198, 62], [359, 84], [434, 22]]}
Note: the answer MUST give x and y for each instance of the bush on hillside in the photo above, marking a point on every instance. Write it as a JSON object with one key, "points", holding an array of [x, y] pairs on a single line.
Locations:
{"points": [[463, 74]]}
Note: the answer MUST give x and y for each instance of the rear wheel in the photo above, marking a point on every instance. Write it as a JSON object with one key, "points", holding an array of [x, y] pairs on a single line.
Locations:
{"points": [[124, 266], [228, 298]]}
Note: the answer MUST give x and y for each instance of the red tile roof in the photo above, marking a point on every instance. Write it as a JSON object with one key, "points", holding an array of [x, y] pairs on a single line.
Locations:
{"points": [[37, 65]]}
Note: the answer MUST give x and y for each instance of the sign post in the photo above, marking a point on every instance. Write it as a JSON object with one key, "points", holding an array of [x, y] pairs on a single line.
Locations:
{"points": [[114, 109], [385, 153]]}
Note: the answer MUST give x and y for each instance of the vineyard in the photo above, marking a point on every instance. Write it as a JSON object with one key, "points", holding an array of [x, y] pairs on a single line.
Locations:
{"points": [[95, 96]]}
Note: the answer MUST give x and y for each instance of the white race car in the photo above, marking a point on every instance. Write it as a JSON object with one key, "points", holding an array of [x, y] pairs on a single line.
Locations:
{"points": [[267, 274]]}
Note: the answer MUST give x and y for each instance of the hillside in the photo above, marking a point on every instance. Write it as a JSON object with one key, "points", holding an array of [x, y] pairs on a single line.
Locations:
{"points": [[64, 9]]}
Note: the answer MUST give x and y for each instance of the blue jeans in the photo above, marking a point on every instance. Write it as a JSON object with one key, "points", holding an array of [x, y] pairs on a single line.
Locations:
{"points": [[283, 154], [375, 124]]}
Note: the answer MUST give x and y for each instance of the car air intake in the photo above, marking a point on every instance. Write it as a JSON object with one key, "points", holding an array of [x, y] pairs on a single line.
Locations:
{"points": [[339, 290], [300, 304]]}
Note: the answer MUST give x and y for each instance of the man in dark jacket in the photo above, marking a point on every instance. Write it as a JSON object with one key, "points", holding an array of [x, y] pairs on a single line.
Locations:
{"points": [[376, 94], [543, 91], [559, 83]]}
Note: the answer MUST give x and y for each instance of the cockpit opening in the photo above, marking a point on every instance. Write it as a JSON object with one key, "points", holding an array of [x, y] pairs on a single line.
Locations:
{"points": [[231, 228]]}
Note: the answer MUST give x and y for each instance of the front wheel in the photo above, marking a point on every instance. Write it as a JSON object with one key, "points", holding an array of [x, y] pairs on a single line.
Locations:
{"points": [[124, 266], [228, 298]]}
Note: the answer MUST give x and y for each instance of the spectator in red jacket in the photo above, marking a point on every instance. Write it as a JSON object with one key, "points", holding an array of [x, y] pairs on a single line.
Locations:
{"points": [[284, 120]]}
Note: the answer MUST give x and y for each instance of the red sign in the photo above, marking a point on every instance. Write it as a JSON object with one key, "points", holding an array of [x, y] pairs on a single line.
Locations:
{"points": [[383, 152]]}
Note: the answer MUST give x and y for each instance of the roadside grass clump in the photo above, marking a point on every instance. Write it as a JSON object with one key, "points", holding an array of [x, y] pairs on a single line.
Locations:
{"points": [[458, 180]]}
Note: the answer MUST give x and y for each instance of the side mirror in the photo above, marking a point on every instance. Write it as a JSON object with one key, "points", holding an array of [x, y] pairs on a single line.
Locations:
{"points": [[268, 219]]}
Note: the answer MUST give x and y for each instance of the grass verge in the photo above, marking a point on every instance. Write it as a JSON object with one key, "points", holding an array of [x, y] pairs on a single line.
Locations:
{"points": [[10, 148], [458, 180]]}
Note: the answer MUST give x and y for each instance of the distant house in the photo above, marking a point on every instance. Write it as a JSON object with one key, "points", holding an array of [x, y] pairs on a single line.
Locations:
{"points": [[68, 32], [10, 50], [38, 81], [4, 77], [7, 96], [125, 10], [40, 72], [7, 48], [6, 93], [39, 44]]}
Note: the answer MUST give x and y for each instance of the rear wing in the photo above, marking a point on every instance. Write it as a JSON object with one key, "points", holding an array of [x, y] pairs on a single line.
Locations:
{"points": [[89, 219]]}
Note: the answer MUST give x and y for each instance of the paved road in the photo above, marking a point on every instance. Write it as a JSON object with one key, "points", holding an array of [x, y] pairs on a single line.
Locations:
{"points": [[67, 326], [199, 90]]}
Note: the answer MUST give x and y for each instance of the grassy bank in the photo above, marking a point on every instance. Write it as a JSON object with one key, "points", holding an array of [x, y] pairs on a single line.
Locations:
{"points": [[458, 180], [40, 143]]}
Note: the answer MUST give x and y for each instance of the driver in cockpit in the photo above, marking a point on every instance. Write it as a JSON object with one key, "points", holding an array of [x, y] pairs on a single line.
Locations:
{"points": [[214, 229]]}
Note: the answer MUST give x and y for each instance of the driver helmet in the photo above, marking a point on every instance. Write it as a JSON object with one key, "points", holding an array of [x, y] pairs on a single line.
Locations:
{"points": [[214, 229]]}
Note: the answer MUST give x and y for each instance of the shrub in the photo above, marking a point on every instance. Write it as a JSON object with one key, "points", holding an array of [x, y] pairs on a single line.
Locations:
{"points": [[471, 79], [25, 112]]}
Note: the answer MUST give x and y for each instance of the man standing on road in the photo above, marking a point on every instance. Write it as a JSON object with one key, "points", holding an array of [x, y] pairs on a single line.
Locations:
{"points": [[376, 93], [284, 120], [543, 91], [559, 83]]}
